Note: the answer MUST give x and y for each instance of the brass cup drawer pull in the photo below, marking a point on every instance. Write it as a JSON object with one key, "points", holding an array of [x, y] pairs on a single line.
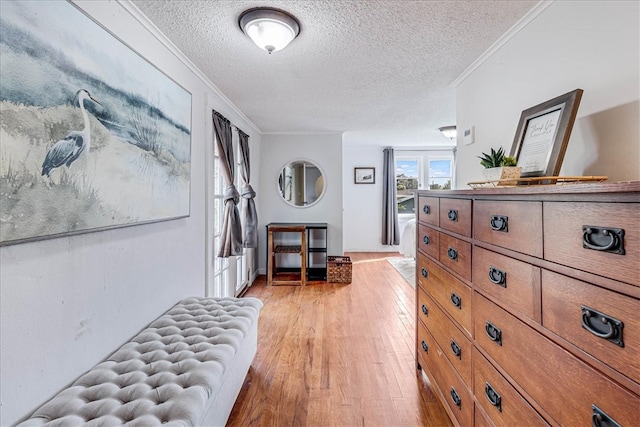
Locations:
{"points": [[456, 300], [453, 254], [498, 277], [603, 239], [599, 418], [499, 223], [456, 350], [602, 325], [452, 215], [456, 398], [426, 240], [493, 332], [426, 209], [492, 395]]}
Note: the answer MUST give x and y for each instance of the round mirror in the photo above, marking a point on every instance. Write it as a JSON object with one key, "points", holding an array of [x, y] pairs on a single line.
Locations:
{"points": [[301, 183]]}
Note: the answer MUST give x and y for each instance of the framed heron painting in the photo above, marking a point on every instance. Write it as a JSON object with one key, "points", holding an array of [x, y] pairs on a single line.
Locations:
{"points": [[92, 135]]}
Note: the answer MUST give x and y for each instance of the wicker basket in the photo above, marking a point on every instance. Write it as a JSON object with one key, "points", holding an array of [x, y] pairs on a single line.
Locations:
{"points": [[339, 269]]}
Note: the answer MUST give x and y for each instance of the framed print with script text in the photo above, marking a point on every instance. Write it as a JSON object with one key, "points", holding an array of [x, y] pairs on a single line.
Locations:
{"points": [[543, 134]]}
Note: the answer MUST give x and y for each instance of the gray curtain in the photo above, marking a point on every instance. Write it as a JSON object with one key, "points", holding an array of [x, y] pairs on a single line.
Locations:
{"points": [[231, 238], [249, 212], [390, 229]]}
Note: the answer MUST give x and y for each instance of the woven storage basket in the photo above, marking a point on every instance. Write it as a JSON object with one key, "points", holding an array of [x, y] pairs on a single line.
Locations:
{"points": [[339, 269]]}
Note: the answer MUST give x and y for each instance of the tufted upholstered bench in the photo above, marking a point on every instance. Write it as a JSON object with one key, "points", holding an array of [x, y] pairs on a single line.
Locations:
{"points": [[185, 369]]}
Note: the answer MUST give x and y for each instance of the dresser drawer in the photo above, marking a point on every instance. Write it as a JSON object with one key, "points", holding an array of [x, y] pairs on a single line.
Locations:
{"points": [[452, 295], [514, 284], [443, 378], [567, 241], [425, 346], [481, 419], [512, 225], [564, 386], [500, 401], [428, 240], [567, 310], [429, 210], [456, 255], [455, 215], [456, 346], [454, 391]]}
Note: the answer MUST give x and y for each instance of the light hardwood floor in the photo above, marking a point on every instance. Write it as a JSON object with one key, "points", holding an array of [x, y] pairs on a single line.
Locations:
{"points": [[338, 355]]}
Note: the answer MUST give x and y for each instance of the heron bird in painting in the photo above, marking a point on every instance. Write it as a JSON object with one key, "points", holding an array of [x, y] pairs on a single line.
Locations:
{"points": [[69, 148]]}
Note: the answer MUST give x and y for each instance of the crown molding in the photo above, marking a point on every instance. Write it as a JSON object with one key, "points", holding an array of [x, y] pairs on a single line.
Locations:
{"points": [[159, 35], [302, 133], [511, 32]]}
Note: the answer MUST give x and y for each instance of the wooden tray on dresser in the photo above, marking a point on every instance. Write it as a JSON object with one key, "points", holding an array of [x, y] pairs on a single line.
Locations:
{"points": [[539, 180]]}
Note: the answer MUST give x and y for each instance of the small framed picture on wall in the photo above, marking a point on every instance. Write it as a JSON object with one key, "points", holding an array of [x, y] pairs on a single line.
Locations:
{"points": [[364, 175]]}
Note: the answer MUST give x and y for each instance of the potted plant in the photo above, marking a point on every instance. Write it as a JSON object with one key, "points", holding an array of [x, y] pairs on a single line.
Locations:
{"points": [[498, 166]]}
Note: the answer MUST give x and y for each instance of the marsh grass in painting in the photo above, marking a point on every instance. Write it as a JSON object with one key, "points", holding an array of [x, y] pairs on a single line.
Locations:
{"points": [[137, 166]]}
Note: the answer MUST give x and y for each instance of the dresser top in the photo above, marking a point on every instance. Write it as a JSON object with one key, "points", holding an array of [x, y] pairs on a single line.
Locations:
{"points": [[620, 191]]}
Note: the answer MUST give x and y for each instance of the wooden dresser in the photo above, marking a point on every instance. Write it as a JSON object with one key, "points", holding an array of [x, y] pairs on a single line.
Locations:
{"points": [[528, 302]]}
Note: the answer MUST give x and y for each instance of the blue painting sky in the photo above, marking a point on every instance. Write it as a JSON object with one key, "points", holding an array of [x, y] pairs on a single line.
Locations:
{"points": [[99, 54]]}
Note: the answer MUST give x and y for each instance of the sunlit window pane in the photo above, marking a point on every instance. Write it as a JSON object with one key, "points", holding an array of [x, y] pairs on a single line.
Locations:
{"points": [[223, 278], [440, 174], [407, 182]]}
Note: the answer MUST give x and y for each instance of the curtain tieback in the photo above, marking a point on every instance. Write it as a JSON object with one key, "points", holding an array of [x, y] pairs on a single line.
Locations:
{"points": [[247, 192], [231, 193]]}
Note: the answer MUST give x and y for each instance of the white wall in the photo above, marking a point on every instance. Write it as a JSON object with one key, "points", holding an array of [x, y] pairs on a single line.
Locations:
{"points": [[67, 303], [325, 150], [592, 45], [363, 202]]}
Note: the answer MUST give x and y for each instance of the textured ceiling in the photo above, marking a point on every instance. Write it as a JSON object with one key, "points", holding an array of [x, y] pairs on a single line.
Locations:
{"points": [[374, 68]]}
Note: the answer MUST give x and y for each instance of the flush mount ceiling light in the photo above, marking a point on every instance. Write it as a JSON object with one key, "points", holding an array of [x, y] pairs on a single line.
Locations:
{"points": [[270, 29], [448, 131]]}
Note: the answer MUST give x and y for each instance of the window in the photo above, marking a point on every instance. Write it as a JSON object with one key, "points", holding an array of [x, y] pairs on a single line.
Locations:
{"points": [[440, 173], [221, 265], [422, 169], [241, 276], [408, 180], [230, 275]]}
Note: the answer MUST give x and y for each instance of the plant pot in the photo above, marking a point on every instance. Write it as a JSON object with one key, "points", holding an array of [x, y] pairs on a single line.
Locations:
{"points": [[502, 173]]}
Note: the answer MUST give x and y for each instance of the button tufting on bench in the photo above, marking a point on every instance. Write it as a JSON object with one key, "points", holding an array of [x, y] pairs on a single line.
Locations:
{"points": [[166, 374]]}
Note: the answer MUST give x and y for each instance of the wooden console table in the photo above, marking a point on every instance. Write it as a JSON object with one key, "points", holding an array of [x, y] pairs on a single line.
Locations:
{"points": [[308, 243], [286, 277]]}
